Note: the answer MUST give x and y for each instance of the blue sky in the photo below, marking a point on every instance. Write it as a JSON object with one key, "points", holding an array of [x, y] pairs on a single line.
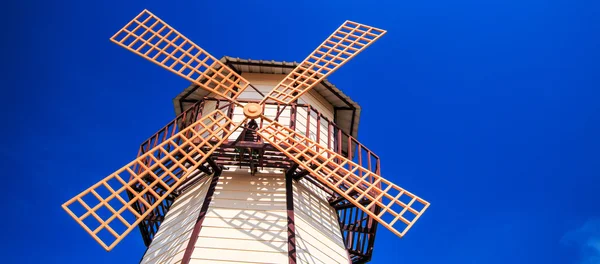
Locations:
{"points": [[496, 116]]}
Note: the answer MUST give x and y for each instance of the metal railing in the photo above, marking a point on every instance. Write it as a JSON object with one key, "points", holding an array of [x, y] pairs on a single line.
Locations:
{"points": [[336, 139], [358, 231]]}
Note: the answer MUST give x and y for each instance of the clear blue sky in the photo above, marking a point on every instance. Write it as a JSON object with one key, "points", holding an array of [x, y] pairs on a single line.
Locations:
{"points": [[495, 116]]}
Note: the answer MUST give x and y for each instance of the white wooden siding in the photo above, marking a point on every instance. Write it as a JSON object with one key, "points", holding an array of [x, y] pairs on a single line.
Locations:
{"points": [[263, 82], [317, 101], [318, 236], [246, 221], [174, 233]]}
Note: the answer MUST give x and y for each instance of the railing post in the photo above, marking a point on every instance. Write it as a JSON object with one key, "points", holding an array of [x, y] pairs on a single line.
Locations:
{"points": [[339, 141], [318, 129], [359, 149], [230, 114], [264, 107], [329, 135], [293, 117], [308, 121]]}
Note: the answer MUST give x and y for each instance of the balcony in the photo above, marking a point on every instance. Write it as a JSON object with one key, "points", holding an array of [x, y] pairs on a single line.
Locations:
{"points": [[245, 149]]}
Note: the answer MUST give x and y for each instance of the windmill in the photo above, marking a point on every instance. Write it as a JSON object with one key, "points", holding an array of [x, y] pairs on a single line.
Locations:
{"points": [[182, 174]]}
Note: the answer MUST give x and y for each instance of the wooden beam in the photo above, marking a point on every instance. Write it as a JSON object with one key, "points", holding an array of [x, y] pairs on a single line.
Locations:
{"points": [[349, 205], [291, 226], [198, 225], [205, 170], [300, 175], [292, 170]]}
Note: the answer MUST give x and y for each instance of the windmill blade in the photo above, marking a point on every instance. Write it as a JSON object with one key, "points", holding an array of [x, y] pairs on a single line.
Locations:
{"points": [[342, 45], [155, 174], [368, 191], [150, 37]]}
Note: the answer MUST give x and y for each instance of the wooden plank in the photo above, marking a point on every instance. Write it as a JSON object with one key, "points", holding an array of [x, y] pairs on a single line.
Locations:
{"points": [[241, 244], [244, 234], [211, 254]]}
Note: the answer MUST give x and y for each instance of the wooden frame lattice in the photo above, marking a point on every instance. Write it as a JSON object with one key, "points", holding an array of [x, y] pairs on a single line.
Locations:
{"points": [[346, 42], [150, 37], [172, 162], [398, 206]]}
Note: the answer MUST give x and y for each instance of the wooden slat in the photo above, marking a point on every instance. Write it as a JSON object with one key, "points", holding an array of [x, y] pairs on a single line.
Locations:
{"points": [[342, 45], [186, 151], [153, 39], [400, 208]]}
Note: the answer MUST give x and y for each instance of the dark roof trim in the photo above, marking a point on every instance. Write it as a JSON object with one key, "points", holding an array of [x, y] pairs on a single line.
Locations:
{"points": [[340, 101]]}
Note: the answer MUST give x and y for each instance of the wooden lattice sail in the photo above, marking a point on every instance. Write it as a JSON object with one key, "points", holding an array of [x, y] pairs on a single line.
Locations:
{"points": [[342, 45], [355, 183], [153, 39], [184, 152]]}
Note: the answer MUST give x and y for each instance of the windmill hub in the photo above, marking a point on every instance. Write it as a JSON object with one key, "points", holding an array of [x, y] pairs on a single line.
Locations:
{"points": [[252, 110]]}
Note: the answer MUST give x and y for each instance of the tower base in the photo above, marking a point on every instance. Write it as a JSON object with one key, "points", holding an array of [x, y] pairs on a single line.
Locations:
{"points": [[244, 218]]}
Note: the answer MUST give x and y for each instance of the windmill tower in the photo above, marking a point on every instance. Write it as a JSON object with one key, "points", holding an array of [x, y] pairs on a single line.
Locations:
{"points": [[261, 164]]}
